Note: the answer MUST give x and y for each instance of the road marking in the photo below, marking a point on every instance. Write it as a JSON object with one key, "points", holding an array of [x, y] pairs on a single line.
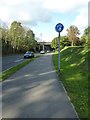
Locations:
{"points": [[47, 72], [18, 60]]}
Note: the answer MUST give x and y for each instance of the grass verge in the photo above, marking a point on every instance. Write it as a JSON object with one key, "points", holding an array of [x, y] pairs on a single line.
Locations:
{"points": [[74, 75], [12, 70]]}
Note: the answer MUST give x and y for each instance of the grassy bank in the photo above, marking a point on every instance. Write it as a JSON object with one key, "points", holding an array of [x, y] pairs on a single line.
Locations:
{"points": [[74, 75], [12, 70]]}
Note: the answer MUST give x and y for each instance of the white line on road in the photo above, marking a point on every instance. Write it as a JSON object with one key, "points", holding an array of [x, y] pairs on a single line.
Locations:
{"points": [[18, 60]]}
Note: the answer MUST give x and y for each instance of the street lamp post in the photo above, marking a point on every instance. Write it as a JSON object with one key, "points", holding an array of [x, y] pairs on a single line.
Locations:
{"points": [[59, 27], [42, 42]]}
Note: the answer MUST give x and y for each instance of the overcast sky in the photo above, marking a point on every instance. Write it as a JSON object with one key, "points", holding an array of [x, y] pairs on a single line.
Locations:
{"points": [[42, 15]]}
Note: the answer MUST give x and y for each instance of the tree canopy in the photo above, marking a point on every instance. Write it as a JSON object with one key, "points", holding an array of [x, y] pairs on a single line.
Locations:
{"points": [[85, 38], [72, 38], [64, 41], [20, 39], [73, 33], [17, 38]]}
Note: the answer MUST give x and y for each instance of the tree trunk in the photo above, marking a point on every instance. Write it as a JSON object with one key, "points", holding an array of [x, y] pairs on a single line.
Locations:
{"points": [[72, 42]]}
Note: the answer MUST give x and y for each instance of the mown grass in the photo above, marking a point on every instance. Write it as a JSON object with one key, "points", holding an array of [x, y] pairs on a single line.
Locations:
{"points": [[74, 75], [12, 70]]}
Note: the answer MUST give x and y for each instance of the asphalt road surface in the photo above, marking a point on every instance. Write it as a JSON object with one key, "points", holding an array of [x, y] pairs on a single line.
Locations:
{"points": [[12, 60], [35, 92]]}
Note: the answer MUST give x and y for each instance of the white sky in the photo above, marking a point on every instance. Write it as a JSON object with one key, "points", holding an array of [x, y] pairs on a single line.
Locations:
{"points": [[42, 15]]}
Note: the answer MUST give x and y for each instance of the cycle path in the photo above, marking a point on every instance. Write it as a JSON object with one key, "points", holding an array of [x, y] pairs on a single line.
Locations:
{"points": [[35, 92]]}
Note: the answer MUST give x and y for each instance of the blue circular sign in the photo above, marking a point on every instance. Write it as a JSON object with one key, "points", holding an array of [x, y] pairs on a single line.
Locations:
{"points": [[59, 27]]}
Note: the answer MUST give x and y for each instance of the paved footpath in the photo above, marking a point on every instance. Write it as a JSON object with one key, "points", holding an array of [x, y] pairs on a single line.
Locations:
{"points": [[35, 92]]}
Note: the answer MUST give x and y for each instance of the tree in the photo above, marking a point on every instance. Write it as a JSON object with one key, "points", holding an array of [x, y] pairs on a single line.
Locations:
{"points": [[87, 31], [5, 39], [30, 41], [73, 33], [17, 38], [17, 34], [85, 38], [54, 43], [64, 41]]}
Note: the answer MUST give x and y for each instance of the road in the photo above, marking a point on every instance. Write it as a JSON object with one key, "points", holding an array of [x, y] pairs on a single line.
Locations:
{"points": [[35, 92], [12, 60]]}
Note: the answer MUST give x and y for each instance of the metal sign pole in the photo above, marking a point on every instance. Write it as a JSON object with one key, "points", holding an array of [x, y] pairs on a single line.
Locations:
{"points": [[59, 27], [59, 54]]}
